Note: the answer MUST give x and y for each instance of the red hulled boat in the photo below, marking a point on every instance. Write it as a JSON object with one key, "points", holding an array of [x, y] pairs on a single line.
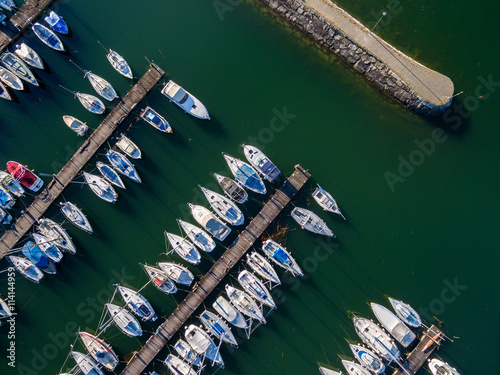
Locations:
{"points": [[23, 175]]}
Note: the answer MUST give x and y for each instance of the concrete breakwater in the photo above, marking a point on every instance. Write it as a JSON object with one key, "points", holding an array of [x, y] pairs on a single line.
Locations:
{"points": [[397, 75]]}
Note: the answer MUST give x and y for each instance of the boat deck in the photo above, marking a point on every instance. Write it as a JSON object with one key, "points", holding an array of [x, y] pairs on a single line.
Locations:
{"points": [[418, 356], [219, 270], [54, 188]]}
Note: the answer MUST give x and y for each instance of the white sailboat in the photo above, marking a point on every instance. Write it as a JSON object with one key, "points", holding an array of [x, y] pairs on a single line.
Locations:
{"points": [[48, 37], [245, 174], [101, 86], [310, 221], [79, 127], [354, 368], [279, 255], [18, 67], [124, 320], [375, 337], [56, 234], [228, 312], [210, 222], [187, 353], [26, 268], [232, 188], [223, 207], [368, 358], [29, 56], [99, 350], [48, 247], [406, 313], [198, 236], [110, 174], [184, 248], [123, 165], [76, 216], [119, 64], [262, 267], [137, 303], [245, 304], [178, 366], [160, 279], [439, 367], [202, 344], [11, 80], [218, 327], [86, 364], [326, 201], [101, 187], [256, 288], [177, 272]]}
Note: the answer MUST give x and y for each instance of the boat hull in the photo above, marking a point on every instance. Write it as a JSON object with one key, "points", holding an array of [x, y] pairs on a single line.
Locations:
{"points": [[23, 175], [48, 37]]}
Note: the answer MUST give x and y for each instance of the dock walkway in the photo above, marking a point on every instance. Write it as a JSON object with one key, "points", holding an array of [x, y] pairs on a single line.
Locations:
{"points": [[218, 271], [54, 188]]}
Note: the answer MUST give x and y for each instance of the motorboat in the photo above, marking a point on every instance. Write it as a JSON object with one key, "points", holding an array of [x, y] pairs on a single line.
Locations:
{"points": [[187, 353], [326, 371], [137, 303], [23, 175], [310, 221], [5, 217], [119, 64], [245, 304], [129, 147], [124, 320], [393, 324], [99, 350], [198, 236], [8, 5], [326, 201], [11, 80], [256, 288], [91, 103], [7, 201], [245, 174], [218, 327], [76, 216], [439, 367], [48, 37], [156, 120], [279, 255], [101, 86], [177, 272], [57, 23], [232, 188], [262, 267], [375, 337], [48, 247], [29, 56], [368, 358], [110, 174], [4, 309], [406, 313], [184, 248], [354, 368], [31, 251], [223, 207], [18, 67], [178, 366], [79, 127], [101, 187], [202, 344], [261, 163], [160, 279], [188, 102], [228, 312], [4, 93], [86, 364], [209, 221], [26, 268], [123, 165], [56, 234], [8, 182]]}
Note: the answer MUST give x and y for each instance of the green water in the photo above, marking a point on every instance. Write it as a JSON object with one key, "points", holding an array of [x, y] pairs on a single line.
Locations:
{"points": [[265, 84]]}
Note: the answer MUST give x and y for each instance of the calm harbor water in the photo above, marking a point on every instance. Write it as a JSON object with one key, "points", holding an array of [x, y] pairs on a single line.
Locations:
{"points": [[421, 211]]}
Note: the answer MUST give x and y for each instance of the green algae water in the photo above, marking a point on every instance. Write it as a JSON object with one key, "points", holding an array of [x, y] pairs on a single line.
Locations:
{"points": [[420, 195]]}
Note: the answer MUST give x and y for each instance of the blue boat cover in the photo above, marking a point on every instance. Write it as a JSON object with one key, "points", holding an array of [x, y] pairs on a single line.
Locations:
{"points": [[281, 256], [37, 256], [249, 178]]}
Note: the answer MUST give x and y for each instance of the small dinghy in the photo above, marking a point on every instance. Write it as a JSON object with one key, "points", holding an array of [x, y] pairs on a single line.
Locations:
{"points": [[110, 174], [368, 358], [228, 312], [11, 80], [123, 165], [178, 366], [7, 201], [210, 222], [101, 86], [99, 350], [8, 182], [139, 305], [354, 368], [245, 174], [262, 163], [79, 127], [86, 364], [48, 37], [406, 313], [100, 187], [48, 247], [29, 56], [128, 147], [263, 268], [39, 258], [184, 248], [124, 320], [218, 327], [119, 64], [55, 233], [57, 23], [279, 255], [4, 93], [393, 325], [439, 367], [187, 353], [26, 268], [326, 201], [188, 102], [154, 119], [177, 272], [198, 236], [76, 216], [232, 189], [223, 207], [5, 217], [256, 288], [310, 221], [375, 337], [160, 279], [245, 304], [23, 175], [18, 67], [202, 344]]}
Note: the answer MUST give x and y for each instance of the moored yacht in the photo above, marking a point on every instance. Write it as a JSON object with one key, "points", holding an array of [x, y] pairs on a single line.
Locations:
{"points": [[86, 364], [91, 103], [101, 187], [7, 201], [223, 207], [156, 120], [439, 367], [187, 353], [124, 320], [101, 86], [26, 268], [184, 248], [375, 337], [210, 222], [76, 216], [245, 174], [354, 368], [310, 221], [253, 286], [38, 257], [29, 55], [79, 127], [232, 188], [218, 327], [57, 23], [5, 217], [23, 175], [260, 265], [110, 174], [8, 182], [11, 80], [48, 247], [188, 102], [406, 313], [228, 312], [55, 233], [262, 163], [198, 236], [160, 279], [123, 165], [18, 67], [4, 309], [48, 37], [245, 304], [202, 344], [393, 324], [129, 147], [137, 303], [99, 350], [119, 64], [177, 272], [177, 366], [279, 255], [368, 358], [326, 201], [4, 93]]}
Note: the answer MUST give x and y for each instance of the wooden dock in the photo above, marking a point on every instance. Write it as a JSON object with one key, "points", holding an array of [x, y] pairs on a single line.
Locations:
{"points": [[418, 356], [209, 282], [54, 188]]}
